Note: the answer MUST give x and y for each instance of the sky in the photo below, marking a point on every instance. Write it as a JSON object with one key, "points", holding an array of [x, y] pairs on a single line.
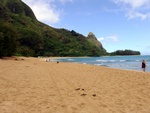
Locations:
{"points": [[117, 24]]}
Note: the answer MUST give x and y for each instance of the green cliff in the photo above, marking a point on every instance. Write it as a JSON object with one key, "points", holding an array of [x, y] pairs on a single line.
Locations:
{"points": [[22, 34]]}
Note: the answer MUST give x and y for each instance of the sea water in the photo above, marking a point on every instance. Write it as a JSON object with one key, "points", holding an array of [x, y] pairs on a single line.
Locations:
{"points": [[121, 62]]}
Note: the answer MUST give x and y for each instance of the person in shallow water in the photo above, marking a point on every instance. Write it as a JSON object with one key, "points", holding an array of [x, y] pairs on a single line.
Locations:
{"points": [[143, 65]]}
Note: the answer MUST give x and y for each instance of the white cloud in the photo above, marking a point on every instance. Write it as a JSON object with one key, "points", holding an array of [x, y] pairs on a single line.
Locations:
{"points": [[133, 3], [101, 39], [44, 10], [135, 8], [65, 1], [134, 14], [112, 38]]}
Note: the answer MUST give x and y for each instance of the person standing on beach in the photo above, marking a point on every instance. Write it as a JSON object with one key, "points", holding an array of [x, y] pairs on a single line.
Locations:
{"points": [[143, 65]]}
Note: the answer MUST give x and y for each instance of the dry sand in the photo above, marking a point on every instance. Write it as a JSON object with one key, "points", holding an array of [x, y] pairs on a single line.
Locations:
{"points": [[34, 86]]}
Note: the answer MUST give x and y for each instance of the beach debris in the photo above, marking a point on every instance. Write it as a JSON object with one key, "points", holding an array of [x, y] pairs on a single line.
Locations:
{"points": [[16, 59], [94, 95], [57, 62], [83, 94], [82, 90], [78, 89]]}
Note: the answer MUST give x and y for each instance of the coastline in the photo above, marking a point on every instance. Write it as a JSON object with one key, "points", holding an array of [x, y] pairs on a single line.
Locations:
{"points": [[34, 86], [118, 62]]}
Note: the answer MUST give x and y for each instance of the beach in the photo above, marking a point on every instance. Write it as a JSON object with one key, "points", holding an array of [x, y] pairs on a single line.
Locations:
{"points": [[31, 85]]}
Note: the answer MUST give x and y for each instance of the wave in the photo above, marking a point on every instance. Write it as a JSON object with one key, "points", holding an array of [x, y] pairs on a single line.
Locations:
{"points": [[121, 60], [106, 60], [101, 65], [70, 59], [124, 62]]}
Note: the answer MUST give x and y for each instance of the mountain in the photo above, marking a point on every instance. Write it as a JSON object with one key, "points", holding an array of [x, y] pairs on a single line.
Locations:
{"points": [[22, 34], [91, 38]]}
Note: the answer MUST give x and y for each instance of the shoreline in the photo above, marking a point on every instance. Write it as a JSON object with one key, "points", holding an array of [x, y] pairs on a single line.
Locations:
{"points": [[34, 86], [104, 65]]}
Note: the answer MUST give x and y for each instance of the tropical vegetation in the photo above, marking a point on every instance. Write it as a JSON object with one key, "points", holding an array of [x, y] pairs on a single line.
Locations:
{"points": [[22, 34]]}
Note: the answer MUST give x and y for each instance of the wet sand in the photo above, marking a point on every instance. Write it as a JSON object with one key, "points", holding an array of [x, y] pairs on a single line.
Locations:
{"points": [[31, 85]]}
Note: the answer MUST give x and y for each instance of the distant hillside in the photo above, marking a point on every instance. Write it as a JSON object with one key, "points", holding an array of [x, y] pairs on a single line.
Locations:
{"points": [[91, 38], [22, 34], [125, 52]]}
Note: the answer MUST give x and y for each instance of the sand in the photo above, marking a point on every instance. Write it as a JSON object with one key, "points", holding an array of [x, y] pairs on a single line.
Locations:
{"points": [[31, 85]]}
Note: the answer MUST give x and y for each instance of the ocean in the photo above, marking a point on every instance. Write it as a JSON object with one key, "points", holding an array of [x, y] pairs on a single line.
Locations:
{"points": [[121, 62]]}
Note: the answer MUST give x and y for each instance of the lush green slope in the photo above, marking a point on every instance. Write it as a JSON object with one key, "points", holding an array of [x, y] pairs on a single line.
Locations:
{"points": [[33, 38], [125, 52]]}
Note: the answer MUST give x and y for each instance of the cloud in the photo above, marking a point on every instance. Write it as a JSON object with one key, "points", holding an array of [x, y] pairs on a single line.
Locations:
{"points": [[45, 10], [134, 14], [65, 1], [133, 3], [135, 8], [112, 38], [101, 39]]}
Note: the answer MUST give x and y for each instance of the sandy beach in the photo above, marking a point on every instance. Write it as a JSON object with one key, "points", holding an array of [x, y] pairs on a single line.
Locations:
{"points": [[31, 85]]}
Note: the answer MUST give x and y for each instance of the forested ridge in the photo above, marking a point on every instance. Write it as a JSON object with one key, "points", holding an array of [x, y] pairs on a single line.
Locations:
{"points": [[22, 34]]}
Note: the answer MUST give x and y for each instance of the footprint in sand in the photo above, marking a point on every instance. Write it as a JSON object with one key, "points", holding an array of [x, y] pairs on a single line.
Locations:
{"points": [[82, 90], [94, 95], [83, 94], [78, 89]]}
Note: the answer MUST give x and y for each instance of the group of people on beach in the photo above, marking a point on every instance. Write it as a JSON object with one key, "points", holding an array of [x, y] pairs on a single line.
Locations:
{"points": [[143, 65]]}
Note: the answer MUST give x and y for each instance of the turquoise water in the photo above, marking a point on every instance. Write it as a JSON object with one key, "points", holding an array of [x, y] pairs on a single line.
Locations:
{"points": [[122, 62]]}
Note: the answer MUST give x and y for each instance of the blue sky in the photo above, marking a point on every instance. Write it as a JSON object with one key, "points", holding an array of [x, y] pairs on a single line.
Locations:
{"points": [[117, 24]]}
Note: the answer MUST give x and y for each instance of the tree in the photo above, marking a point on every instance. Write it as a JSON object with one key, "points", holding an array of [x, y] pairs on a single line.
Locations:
{"points": [[8, 43], [33, 41], [125, 52]]}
